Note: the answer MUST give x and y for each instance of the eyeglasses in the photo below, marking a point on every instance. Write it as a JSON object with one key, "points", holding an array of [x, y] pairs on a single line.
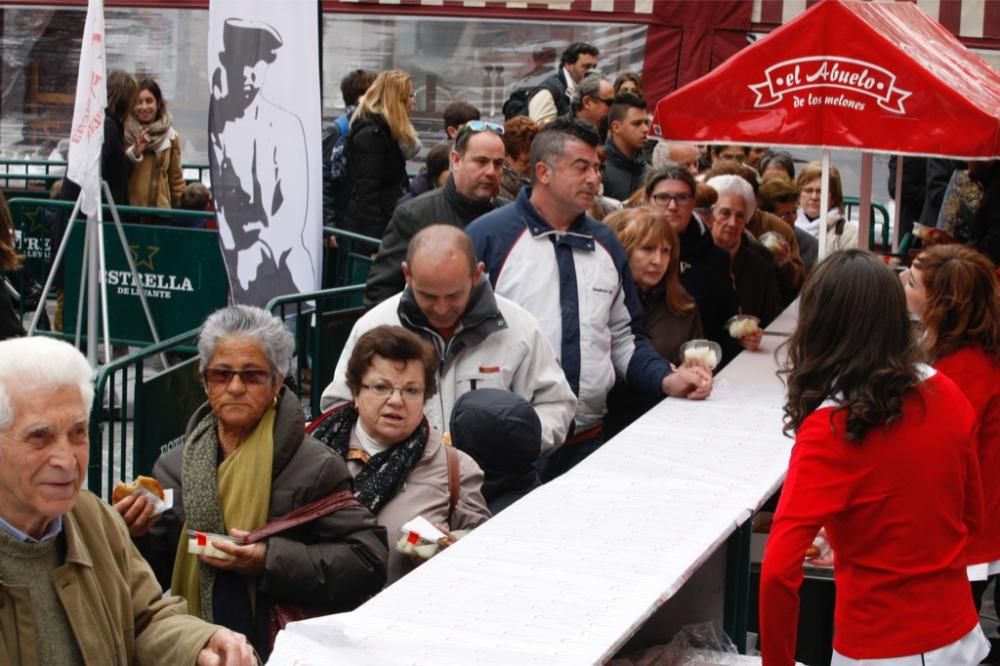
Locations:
{"points": [[385, 390], [607, 100], [249, 377], [811, 191], [664, 199]]}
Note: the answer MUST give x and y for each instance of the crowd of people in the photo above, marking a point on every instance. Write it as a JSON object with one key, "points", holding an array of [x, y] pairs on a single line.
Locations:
{"points": [[533, 292]]}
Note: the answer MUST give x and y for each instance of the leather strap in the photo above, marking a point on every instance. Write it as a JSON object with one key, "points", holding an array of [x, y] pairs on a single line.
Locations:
{"points": [[342, 499], [454, 482]]}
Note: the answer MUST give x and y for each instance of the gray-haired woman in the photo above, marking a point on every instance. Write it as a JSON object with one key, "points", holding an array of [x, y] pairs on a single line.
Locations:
{"points": [[245, 461]]}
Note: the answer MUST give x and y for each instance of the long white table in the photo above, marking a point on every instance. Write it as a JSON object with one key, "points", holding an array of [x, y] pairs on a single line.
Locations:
{"points": [[568, 574]]}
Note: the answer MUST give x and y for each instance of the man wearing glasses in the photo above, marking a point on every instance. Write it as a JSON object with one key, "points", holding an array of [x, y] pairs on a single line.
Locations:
{"points": [[482, 340], [471, 190], [570, 271], [592, 101]]}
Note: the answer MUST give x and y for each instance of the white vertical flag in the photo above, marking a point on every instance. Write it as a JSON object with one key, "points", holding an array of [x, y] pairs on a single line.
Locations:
{"points": [[87, 136]]}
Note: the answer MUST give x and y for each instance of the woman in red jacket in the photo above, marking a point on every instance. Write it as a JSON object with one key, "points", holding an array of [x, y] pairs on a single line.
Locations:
{"points": [[884, 460], [955, 292]]}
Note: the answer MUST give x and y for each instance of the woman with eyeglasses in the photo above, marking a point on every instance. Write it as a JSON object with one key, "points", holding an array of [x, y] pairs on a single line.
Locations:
{"points": [[380, 141], [704, 268], [401, 467], [840, 234], [245, 461], [955, 292]]}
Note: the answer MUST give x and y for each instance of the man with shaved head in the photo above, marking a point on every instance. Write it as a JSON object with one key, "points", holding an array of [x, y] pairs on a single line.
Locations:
{"points": [[482, 340]]}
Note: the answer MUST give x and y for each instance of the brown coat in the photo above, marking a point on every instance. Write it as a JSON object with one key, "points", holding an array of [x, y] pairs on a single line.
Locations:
{"points": [[425, 493], [791, 275], [157, 180], [112, 600]]}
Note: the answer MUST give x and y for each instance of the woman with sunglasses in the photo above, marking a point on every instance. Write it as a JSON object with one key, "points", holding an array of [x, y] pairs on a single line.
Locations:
{"points": [[380, 141], [704, 268], [955, 292], [401, 466], [244, 462]]}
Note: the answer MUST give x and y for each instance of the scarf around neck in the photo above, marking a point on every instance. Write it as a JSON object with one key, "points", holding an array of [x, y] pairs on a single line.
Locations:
{"points": [[158, 130], [219, 497], [385, 472]]}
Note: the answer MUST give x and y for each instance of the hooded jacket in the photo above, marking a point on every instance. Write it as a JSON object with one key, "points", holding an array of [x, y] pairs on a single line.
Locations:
{"points": [[444, 205], [496, 345], [335, 562]]}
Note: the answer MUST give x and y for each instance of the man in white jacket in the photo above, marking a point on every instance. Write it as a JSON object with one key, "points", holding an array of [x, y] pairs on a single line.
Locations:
{"points": [[482, 340]]}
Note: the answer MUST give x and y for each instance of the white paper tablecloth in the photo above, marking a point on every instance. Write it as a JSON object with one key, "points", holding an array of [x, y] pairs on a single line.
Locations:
{"points": [[567, 575]]}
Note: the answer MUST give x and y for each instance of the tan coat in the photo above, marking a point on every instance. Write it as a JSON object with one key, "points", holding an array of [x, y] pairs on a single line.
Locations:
{"points": [[114, 604], [157, 180], [424, 492]]}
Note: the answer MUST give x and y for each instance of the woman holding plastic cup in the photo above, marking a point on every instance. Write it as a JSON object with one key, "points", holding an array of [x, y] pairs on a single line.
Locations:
{"points": [[400, 464]]}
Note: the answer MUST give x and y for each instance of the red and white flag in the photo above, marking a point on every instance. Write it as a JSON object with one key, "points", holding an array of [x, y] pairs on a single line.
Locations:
{"points": [[87, 136]]}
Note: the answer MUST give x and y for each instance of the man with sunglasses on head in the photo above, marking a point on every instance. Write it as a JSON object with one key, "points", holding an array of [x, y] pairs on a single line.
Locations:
{"points": [[471, 190], [482, 340], [546, 254]]}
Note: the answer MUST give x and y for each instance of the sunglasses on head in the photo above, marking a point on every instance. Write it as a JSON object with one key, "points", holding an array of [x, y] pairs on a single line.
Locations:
{"points": [[474, 126], [249, 377]]}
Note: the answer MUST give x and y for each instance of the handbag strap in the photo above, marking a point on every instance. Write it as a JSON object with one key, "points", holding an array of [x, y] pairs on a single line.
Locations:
{"points": [[341, 499], [454, 483]]}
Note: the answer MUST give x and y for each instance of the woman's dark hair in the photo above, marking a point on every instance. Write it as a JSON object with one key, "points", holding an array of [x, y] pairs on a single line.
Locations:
{"points": [[154, 88], [625, 77], [674, 172], [854, 343], [963, 300], [354, 85], [396, 344]]}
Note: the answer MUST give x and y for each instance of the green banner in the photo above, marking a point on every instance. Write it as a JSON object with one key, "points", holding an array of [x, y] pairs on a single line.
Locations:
{"points": [[32, 240], [181, 270], [162, 411]]}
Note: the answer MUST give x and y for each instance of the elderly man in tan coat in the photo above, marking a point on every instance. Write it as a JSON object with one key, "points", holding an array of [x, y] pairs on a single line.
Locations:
{"points": [[73, 588]]}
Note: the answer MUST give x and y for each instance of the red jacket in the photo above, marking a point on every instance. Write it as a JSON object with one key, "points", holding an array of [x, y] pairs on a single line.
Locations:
{"points": [[897, 509], [978, 376]]}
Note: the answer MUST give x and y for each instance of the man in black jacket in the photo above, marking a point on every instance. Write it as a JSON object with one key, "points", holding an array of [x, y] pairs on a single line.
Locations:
{"points": [[476, 163], [625, 169], [552, 99]]}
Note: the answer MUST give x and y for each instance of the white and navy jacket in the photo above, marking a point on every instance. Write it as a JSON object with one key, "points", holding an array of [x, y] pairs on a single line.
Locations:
{"points": [[578, 285]]}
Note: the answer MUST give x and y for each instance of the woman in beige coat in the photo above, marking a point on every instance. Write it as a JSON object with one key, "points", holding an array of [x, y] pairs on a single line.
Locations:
{"points": [[154, 148], [399, 463]]}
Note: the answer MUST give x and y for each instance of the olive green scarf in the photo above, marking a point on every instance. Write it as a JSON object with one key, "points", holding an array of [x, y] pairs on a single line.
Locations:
{"points": [[236, 494]]}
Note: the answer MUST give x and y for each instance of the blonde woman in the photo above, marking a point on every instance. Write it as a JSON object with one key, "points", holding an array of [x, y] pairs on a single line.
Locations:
{"points": [[154, 149], [382, 138]]}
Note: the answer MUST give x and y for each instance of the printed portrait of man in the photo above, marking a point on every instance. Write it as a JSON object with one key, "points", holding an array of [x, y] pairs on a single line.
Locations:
{"points": [[259, 167]]}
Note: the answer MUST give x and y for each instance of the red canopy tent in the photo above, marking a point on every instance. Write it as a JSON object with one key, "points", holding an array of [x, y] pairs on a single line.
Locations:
{"points": [[875, 76]]}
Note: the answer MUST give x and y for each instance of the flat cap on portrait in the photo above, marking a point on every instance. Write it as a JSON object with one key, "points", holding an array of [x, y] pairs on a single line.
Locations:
{"points": [[249, 41]]}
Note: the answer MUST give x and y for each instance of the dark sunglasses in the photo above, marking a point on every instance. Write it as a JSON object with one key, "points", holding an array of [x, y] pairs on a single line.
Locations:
{"points": [[249, 377]]}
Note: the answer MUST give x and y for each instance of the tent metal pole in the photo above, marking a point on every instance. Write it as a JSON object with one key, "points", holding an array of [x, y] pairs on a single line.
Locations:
{"points": [[824, 202], [899, 201], [865, 210]]}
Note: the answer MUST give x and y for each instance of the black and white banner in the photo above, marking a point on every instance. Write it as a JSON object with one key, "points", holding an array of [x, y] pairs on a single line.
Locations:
{"points": [[264, 133]]}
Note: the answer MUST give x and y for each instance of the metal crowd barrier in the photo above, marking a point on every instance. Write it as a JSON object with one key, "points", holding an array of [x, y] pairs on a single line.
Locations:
{"points": [[35, 177], [321, 321], [880, 216]]}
